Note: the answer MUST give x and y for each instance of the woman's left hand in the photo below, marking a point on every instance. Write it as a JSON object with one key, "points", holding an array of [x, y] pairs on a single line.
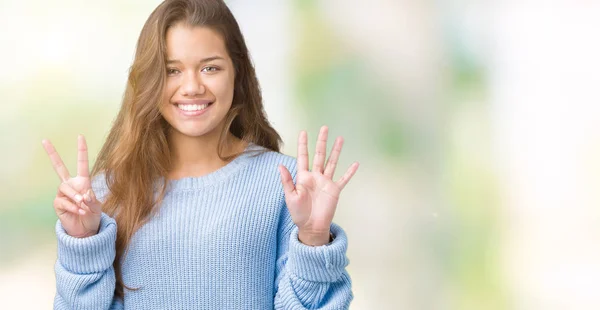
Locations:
{"points": [[313, 200]]}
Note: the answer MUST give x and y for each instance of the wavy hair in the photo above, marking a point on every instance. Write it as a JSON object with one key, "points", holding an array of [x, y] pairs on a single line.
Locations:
{"points": [[135, 157]]}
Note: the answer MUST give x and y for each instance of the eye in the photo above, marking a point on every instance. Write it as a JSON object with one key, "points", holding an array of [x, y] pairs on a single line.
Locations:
{"points": [[210, 69], [171, 71]]}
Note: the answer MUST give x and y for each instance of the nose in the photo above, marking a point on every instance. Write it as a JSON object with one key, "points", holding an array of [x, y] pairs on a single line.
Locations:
{"points": [[192, 85]]}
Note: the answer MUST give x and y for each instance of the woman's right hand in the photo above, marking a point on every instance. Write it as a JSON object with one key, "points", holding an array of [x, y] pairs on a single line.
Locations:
{"points": [[75, 204]]}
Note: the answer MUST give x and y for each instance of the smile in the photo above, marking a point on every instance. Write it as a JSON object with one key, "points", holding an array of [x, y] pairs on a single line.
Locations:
{"points": [[193, 109]]}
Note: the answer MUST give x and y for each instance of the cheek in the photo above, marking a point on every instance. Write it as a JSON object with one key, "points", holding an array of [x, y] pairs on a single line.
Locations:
{"points": [[222, 88], [169, 90], [168, 93]]}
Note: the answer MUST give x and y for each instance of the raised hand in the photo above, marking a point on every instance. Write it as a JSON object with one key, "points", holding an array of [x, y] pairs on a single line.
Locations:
{"points": [[75, 204], [313, 200]]}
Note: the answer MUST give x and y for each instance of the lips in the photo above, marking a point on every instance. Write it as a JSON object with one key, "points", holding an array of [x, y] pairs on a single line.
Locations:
{"points": [[193, 107]]}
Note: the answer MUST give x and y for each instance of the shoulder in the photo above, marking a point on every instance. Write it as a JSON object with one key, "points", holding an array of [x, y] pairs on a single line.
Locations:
{"points": [[265, 160]]}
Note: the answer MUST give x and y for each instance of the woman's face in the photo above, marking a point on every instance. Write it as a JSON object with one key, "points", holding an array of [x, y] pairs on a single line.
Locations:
{"points": [[200, 80]]}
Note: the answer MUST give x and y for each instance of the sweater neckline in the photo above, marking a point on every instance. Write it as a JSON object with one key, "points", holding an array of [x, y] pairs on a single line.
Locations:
{"points": [[187, 183]]}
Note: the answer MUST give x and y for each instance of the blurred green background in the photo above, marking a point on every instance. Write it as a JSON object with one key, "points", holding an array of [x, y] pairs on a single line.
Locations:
{"points": [[477, 126]]}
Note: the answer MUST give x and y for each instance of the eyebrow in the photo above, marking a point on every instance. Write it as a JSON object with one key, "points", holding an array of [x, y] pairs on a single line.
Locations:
{"points": [[207, 59]]}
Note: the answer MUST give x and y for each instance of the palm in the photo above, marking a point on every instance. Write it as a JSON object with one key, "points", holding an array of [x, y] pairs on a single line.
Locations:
{"points": [[314, 205], [78, 217], [314, 198]]}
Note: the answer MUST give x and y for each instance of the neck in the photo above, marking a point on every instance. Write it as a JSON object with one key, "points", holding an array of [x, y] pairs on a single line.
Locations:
{"points": [[198, 156]]}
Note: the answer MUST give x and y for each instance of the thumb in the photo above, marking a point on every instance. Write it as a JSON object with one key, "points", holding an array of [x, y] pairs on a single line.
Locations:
{"points": [[92, 202], [286, 180]]}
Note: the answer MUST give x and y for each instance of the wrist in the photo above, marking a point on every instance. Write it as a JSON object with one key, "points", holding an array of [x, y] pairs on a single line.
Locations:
{"points": [[313, 239], [84, 235]]}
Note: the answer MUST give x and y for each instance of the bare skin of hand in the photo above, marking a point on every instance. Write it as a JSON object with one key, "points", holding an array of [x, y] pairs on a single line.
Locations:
{"points": [[75, 204], [314, 198]]}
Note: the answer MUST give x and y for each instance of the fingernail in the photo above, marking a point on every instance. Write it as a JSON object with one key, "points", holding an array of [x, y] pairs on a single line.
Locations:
{"points": [[81, 211], [87, 198], [78, 198]]}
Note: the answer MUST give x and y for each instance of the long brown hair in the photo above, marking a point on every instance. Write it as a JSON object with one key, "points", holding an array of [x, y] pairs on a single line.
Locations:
{"points": [[136, 153]]}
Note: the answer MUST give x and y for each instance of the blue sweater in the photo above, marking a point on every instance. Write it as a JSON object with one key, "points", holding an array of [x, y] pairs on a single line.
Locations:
{"points": [[220, 241]]}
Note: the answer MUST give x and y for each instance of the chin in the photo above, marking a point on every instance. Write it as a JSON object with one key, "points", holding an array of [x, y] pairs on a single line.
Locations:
{"points": [[193, 132]]}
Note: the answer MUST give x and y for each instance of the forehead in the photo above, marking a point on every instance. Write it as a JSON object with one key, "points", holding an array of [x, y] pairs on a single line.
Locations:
{"points": [[190, 42]]}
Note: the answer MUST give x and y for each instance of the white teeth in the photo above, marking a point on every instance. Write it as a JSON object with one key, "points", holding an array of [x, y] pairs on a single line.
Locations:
{"points": [[192, 107]]}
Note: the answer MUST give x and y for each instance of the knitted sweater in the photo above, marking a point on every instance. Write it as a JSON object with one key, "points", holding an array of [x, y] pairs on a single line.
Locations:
{"points": [[224, 240]]}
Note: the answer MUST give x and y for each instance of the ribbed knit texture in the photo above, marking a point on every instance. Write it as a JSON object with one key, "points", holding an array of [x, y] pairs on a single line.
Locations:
{"points": [[220, 241]]}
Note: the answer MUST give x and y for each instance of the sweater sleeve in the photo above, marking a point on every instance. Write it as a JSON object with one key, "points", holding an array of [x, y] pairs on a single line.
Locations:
{"points": [[310, 277], [85, 277]]}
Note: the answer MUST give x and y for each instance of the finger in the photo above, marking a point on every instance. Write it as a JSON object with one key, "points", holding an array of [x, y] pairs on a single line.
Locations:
{"points": [[321, 150], [57, 163], [286, 180], [302, 161], [86, 200], [347, 176], [82, 157], [68, 191], [333, 157], [62, 205]]}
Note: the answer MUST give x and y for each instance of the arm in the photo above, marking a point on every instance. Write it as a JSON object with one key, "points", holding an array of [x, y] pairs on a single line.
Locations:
{"points": [[85, 277], [310, 277], [311, 274]]}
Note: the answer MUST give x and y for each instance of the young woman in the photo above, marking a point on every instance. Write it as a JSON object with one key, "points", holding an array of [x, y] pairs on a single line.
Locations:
{"points": [[190, 205]]}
